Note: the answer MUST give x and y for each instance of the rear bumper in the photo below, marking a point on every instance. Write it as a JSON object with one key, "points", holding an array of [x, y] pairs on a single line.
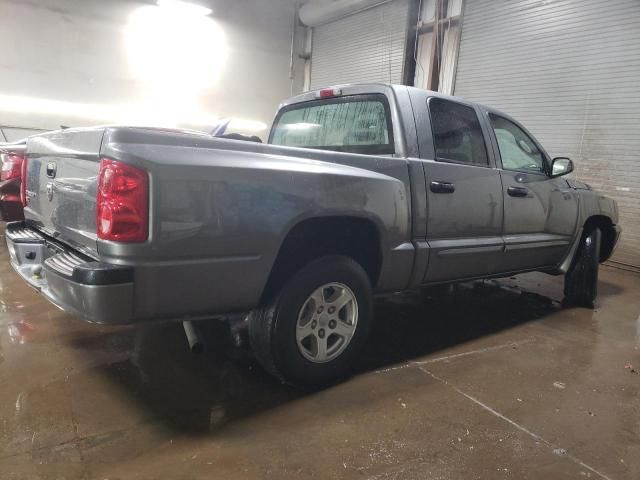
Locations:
{"points": [[94, 291]]}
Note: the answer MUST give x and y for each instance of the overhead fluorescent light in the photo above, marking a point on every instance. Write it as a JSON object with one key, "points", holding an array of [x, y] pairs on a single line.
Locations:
{"points": [[177, 56], [185, 7]]}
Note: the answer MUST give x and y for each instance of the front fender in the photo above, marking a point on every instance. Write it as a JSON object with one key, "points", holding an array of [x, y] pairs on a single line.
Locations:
{"points": [[594, 203]]}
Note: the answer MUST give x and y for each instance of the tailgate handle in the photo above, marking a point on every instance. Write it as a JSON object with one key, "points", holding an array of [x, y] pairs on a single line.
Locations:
{"points": [[51, 169]]}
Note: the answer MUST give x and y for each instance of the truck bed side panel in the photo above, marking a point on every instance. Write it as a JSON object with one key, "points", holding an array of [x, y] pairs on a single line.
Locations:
{"points": [[220, 210]]}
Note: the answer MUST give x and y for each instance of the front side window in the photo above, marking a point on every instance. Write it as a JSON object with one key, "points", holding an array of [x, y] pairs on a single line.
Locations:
{"points": [[517, 150], [356, 124], [457, 135]]}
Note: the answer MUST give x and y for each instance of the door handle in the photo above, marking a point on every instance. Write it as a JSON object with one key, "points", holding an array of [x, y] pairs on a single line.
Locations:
{"points": [[442, 187], [517, 191], [51, 169]]}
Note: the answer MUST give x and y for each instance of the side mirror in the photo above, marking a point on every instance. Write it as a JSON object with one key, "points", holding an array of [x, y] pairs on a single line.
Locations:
{"points": [[561, 166]]}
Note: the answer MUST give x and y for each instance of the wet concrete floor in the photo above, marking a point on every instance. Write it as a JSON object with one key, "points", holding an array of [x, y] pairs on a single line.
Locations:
{"points": [[496, 380]]}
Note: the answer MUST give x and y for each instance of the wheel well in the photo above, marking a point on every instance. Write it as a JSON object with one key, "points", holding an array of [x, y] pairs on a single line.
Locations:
{"points": [[357, 238], [608, 234]]}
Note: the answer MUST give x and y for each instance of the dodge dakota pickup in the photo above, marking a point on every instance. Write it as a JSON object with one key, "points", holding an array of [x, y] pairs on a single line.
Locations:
{"points": [[362, 189]]}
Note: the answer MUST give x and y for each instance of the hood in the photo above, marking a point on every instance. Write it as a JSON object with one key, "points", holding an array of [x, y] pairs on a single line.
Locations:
{"points": [[577, 185]]}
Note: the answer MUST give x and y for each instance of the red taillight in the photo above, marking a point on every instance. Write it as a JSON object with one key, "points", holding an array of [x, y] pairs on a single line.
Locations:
{"points": [[11, 166], [122, 202], [23, 181], [329, 92]]}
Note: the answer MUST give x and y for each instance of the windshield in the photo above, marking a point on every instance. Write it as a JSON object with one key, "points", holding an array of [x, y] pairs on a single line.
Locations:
{"points": [[357, 124]]}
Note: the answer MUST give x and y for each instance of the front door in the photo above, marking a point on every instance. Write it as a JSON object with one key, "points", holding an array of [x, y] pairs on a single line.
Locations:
{"points": [[540, 212], [464, 197]]}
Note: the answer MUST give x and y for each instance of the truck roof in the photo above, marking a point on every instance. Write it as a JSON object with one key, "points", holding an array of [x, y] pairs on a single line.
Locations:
{"points": [[356, 88], [379, 87]]}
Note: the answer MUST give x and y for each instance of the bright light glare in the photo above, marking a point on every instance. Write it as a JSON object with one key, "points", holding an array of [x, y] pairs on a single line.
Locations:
{"points": [[45, 106], [187, 7], [177, 53], [123, 114], [174, 51], [247, 125]]}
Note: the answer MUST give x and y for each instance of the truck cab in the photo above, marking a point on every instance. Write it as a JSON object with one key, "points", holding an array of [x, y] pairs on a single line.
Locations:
{"points": [[487, 198]]}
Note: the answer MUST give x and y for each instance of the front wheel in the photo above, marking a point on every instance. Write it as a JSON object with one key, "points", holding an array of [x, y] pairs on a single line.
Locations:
{"points": [[311, 333], [581, 281]]}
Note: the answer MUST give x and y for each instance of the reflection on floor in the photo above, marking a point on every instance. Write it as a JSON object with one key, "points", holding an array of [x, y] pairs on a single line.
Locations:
{"points": [[494, 379]]}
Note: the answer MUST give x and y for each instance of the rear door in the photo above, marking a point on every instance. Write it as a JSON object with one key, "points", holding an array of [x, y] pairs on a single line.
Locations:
{"points": [[540, 212], [464, 194]]}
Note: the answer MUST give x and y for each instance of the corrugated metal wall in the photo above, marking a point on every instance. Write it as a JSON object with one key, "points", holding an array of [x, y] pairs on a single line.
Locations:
{"points": [[368, 46], [570, 71]]}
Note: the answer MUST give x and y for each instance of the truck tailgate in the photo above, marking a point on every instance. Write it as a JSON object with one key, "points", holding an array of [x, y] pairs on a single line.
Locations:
{"points": [[62, 173]]}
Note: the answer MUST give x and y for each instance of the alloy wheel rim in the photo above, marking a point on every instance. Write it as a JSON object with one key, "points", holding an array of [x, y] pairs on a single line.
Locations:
{"points": [[327, 322]]}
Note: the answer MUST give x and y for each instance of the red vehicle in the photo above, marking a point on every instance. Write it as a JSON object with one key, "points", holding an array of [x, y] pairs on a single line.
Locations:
{"points": [[11, 157]]}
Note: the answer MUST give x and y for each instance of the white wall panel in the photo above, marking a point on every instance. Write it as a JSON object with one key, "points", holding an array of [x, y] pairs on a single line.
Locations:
{"points": [[368, 46], [76, 52], [569, 70]]}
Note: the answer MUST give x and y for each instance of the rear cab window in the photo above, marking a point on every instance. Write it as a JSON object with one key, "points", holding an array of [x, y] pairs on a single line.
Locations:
{"points": [[351, 124], [457, 134]]}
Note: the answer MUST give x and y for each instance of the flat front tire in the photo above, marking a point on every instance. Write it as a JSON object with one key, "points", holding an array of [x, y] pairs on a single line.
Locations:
{"points": [[310, 334], [581, 281]]}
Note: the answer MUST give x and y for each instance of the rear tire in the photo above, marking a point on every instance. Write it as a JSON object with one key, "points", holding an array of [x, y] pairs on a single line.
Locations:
{"points": [[286, 334], [581, 281]]}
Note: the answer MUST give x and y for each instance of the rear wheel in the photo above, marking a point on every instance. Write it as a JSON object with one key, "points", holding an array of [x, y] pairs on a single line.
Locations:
{"points": [[311, 333], [581, 281]]}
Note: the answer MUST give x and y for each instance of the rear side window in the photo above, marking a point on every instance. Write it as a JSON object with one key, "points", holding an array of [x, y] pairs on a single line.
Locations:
{"points": [[457, 136], [354, 124]]}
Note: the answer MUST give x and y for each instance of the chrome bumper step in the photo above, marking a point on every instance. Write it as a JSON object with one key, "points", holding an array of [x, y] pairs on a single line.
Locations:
{"points": [[23, 235], [64, 263]]}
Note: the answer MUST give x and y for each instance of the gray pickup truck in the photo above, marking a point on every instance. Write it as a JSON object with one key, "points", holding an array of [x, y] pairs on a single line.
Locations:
{"points": [[361, 189]]}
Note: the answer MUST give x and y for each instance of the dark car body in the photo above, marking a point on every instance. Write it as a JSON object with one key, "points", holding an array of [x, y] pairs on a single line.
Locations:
{"points": [[11, 155]]}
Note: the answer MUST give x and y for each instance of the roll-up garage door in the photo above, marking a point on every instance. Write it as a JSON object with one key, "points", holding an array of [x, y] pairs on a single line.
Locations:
{"points": [[570, 71], [368, 46]]}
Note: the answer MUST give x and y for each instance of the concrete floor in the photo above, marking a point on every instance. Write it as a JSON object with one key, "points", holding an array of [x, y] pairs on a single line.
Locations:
{"points": [[495, 381]]}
